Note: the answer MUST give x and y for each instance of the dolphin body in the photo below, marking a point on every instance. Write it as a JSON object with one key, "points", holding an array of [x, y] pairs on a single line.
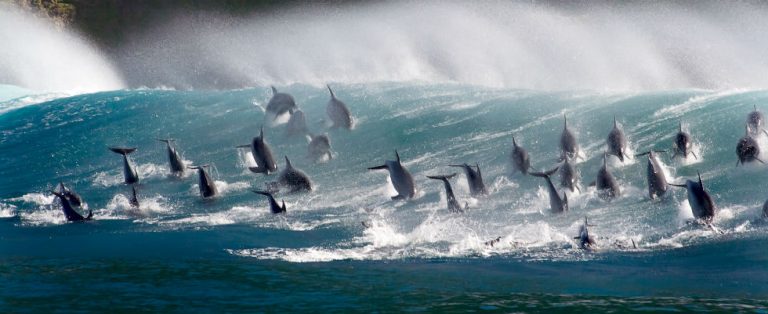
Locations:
{"points": [[206, 184], [617, 142], [453, 205], [175, 162], [297, 124], [520, 160], [657, 181], [755, 122], [401, 178], [281, 103], [273, 206], [295, 179], [130, 174], [557, 204], [683, 143], [569, 147], [607, 186], [765, 209], [569, 176], [70, 212], [338, 112], [262, 154], [134, 200], [74, 199], [586, 241], [747, 149], [319, 146], [702, 205], [474, 179]]}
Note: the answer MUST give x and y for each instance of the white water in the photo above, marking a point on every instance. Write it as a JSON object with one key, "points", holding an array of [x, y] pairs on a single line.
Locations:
{"points": [[40, 56]]}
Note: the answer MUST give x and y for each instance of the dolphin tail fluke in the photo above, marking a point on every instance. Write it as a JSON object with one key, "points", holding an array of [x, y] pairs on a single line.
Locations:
{"points": [[378, 167], [444, 177], [123, 150], [331, 91], [166, 140], [545, 173], [265, 193]]}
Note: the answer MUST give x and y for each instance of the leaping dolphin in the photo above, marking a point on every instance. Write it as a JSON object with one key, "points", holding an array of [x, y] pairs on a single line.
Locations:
{"points": [[683, 143], [175, 161], [520, 160], [607, 186], [657, 181], [617, 143], [401, 178], [755, 122], [586, 241], [557, 204], [453, 205], [273, 206], [70, 212], [280, 103], [569, 177], [338, 112], [262, 155], [702, 205], [319, 146], [297, 124], [130, 174], [73, 198], [474, 179], [206, 184], [747, 149], [292, 178], [569, 147]]}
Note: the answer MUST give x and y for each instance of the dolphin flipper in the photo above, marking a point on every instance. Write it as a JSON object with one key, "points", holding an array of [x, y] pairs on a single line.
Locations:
{"points": [[694, 155], [378, 167]]}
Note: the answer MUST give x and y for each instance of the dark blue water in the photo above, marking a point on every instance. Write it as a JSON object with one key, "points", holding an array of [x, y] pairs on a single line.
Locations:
{"points": [[179, 252]]}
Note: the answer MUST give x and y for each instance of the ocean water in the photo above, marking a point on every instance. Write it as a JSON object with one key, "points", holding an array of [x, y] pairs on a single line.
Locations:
{"points": [[179, 252]]}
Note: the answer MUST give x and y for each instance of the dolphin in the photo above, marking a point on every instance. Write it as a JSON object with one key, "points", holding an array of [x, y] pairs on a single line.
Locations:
{"points": [[755, 122], [607, 187], [176, 163], [617, 143], [474, 179], [586, 241], [569, 177], [338, 112], [131, 176], [569, 147], [73, 198], [273, 206], [453, 205], [319, 146], [134, 200], [657, 181], [747, 149], [262, 155], [401, 178], [765, 209], [683, 143], [297, 125], [702, 205], [207, 185], [280, 103], [520, 160], [70, 212], [557, 204], [294, 179]]}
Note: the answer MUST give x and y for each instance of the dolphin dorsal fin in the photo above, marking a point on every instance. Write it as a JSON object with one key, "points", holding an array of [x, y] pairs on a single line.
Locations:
{"points": [[680, 126], [398, 156], [614, 122], [274, 90], [288, 162], [754, 106], [261, 132], [700, 183], [330, 90], [565, 121], [605, 160], [284, 209], [514, 142]]}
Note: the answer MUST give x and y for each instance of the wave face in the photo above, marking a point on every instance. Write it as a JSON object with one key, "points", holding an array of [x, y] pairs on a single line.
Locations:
{"points": [[431, 126], [546, 46], [40, 56]]}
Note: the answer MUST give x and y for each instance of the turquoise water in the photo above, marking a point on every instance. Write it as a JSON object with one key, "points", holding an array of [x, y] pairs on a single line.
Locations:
{"points": [[227, 254]]}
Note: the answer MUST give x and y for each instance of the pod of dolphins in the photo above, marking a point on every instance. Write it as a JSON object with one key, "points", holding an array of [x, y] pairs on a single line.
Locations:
{"points": [[292, 179]]}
